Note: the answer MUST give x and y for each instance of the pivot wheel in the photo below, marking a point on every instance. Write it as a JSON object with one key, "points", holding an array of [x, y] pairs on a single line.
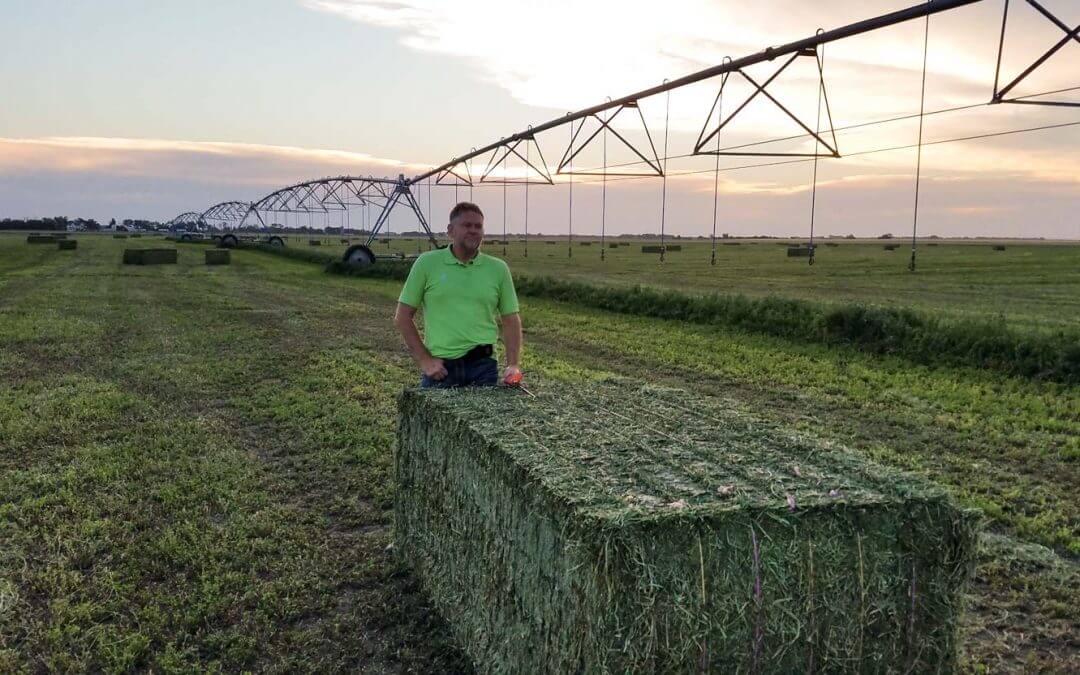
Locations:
{"points": [[358, 255], [276, 241], [228, 241]]}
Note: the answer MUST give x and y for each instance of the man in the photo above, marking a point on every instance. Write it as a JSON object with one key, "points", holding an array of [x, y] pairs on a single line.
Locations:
{"points": [[461, 290]]}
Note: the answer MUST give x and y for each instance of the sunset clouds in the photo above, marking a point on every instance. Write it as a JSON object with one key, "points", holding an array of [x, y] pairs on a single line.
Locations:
{"points": [[373, 87]]}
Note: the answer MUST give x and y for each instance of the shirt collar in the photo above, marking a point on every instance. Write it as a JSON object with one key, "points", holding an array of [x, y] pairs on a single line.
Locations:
{"points": [[451, 259]]}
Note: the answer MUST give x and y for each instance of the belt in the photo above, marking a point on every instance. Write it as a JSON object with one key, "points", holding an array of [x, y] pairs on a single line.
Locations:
{"points": [[475, 354]]}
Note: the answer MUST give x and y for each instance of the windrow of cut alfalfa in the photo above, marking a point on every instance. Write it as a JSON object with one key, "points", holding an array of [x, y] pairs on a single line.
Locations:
{"points": [[608, 527]]}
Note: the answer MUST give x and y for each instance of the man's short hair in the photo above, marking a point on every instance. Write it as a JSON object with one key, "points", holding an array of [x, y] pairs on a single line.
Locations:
{"points": [[465, 207]]}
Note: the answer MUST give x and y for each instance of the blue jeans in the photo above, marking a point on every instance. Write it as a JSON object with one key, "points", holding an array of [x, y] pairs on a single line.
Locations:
{"points": [[483, 372]]}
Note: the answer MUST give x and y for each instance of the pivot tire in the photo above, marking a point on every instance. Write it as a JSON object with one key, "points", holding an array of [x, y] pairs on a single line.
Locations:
{"points": [[358, 255]]}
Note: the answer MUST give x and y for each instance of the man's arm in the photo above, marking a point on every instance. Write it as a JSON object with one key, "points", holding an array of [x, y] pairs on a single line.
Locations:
{"points": [[511, 335], [404, 319]]}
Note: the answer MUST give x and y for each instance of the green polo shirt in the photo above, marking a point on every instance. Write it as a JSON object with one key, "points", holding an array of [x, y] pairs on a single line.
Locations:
{"points": [[460, 300]]}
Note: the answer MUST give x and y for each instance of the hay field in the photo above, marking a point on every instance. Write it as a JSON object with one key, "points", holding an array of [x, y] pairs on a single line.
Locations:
{"points": [[195, 461], [1028, 284]]}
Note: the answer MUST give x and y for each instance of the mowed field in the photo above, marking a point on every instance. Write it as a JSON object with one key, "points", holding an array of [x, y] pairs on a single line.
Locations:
{"points": [[196, 462], [1028, 285]]}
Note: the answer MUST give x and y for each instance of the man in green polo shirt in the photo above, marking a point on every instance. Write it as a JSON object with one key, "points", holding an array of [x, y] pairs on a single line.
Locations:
{"points": [[461, 291]]}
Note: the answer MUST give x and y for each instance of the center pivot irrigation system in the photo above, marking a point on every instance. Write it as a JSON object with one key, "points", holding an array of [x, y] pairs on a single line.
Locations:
{"points": [[519, 160]]}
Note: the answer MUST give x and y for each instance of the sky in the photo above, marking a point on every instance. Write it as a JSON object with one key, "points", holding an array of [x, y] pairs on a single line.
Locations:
{"points": [[146, 109]]}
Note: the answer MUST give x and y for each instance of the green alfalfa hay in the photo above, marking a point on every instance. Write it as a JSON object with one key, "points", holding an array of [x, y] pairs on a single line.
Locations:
{"points": [[611, 528]]}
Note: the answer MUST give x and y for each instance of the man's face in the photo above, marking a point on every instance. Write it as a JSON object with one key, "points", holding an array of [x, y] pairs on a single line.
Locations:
{"points": [[466, 232]]}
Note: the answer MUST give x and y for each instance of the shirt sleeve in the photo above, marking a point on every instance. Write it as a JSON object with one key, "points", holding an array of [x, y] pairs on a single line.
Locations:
{"points": [[412, 293], [508, 300]]}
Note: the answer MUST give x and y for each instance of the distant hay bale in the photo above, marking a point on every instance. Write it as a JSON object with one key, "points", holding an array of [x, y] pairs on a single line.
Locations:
{"points": [[613, 246], [693, 538], [344, 241], [831, 244], [384, 241], [800, 251], [732, 243], [650, 248], [149, 256], [218, 256], [67, 245], [40, 239], [136, 235], [933, 243], [120, 235], [624, 243], [891, 247], [999, 247], [584, 243], [314, 242], [551, 242]]}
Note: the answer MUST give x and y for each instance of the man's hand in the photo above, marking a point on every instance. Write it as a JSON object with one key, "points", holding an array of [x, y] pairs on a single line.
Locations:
{"points": [[512, 376], [433, 367]]}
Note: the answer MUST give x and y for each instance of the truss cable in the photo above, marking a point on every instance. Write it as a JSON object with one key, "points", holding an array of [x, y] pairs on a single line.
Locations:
{"points": [[429, 208], [872, 151], [1001, 49], [570, 222], [918, 151], [603, 195], [504, 216], [716, 169], [849, 127], [819, 56], [527, 201], [663, 184]]}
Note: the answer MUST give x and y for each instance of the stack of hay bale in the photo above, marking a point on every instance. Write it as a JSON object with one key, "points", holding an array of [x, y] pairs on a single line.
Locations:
{"points": [[150, 256], [218, 256], [610, 527], [651, 248]]}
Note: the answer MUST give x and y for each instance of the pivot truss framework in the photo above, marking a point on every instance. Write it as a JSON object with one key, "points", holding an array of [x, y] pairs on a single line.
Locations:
{"points": [[594, 125]]}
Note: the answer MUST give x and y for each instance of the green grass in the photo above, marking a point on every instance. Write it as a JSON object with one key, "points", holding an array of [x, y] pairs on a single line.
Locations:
{"points": [[1029, 285], [194, 461]]}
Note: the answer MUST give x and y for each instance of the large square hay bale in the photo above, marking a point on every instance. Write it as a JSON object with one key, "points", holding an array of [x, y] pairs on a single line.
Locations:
{"points": [[650, 248], [120, 236], [218, 256], [314, 242], [40, 239], [150, 256], [799, 251], [67, 244], [612, 528]]}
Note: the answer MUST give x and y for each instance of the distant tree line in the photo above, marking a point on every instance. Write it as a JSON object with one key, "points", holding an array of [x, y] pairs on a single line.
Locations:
{"points": [[59, 223]]}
